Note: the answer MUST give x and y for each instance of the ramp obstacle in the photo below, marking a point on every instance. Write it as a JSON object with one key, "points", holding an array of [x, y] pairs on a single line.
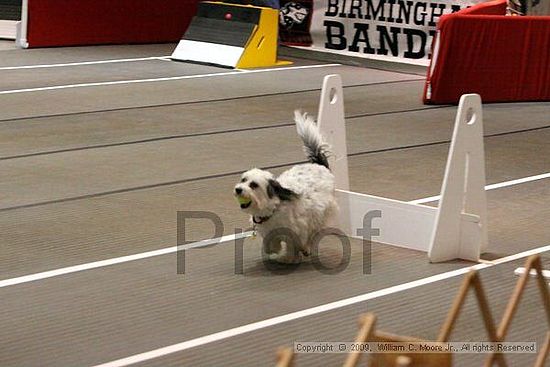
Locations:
{"points": [[367, 333], [231, 35], [496, 335], [472, 281], [457, 228], [533, 267], [285, 357]]}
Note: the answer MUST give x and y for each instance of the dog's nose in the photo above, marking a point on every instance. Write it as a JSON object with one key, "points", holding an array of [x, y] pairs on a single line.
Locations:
{"points": [[238, 190]]}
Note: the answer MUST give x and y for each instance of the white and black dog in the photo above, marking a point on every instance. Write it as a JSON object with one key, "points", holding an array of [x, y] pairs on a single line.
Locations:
{"points": [[290, 210]]}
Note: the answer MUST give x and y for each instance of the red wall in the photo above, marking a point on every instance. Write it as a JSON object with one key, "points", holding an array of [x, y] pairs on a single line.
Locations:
{"points": [[94, 22]]}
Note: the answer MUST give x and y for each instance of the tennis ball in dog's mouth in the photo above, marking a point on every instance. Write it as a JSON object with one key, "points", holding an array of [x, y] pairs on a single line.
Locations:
{"points": [[244, 201]]}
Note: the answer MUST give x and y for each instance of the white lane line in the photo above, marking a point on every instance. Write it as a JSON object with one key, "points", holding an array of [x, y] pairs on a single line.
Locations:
{"points": [[144, 255], [490, 187], [118, 260], [165, 79], [98, 62], [207, 339], [532, 273]]}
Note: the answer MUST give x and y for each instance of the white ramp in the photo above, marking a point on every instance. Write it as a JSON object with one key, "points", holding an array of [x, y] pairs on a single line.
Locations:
{"points": [[206, 52], [8, 29], [457, 229]]}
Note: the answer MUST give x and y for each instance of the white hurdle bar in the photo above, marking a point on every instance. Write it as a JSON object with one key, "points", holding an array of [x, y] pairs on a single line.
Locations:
{"points": [[457, 229]]}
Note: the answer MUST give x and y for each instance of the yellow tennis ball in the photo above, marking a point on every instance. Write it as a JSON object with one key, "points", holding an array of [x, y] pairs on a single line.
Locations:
{"points": [[243, 200]]}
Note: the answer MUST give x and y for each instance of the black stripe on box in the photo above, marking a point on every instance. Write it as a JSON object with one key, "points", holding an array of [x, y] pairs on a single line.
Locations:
{"points": [[219, 31]]}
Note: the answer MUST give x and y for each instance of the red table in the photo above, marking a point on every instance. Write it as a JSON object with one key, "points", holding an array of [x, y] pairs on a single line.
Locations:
{"points": [[480, 50]]}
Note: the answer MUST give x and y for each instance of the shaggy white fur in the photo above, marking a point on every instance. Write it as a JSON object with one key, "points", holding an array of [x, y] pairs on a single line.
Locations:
{"points": [[289, 211]]}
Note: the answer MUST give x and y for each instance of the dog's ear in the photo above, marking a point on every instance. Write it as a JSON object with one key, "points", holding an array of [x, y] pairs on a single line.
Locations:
{"points": [[274, 188]]}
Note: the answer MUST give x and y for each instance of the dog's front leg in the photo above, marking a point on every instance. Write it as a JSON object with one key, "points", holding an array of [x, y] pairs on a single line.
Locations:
{"points": [[280, 249], [305, 245], [289, 254]]}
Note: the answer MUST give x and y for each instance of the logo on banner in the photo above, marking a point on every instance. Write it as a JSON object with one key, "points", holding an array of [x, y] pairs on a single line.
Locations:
{"points": [[292, 13], [294, 21]]}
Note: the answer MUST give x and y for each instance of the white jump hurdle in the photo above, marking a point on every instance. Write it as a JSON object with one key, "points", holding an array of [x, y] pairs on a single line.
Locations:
{"points": [[457, 228]]}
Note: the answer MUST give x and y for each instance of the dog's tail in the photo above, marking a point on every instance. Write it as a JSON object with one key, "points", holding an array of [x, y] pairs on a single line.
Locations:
{"points": [[315, 147]]}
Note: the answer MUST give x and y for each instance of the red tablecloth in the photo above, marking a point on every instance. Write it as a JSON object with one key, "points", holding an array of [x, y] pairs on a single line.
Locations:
{"points": [[502, 58]]}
